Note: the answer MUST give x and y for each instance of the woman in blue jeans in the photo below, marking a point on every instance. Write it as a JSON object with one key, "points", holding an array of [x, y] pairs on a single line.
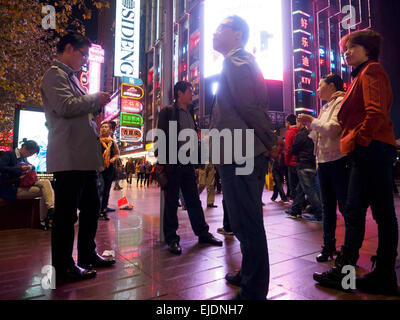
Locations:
{"points": [[332, 172]]}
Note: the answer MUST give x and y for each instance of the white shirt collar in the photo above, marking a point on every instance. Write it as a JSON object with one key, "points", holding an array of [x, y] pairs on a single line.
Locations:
{"points": [[17, 153]]}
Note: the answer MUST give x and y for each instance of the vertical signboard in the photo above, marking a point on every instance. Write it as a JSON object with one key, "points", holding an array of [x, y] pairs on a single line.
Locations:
{"points": [[303, 62], [131, 107], [127, 32]]}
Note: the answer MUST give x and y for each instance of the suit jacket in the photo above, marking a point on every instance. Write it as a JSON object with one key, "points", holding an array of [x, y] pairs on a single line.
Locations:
{"points": [[10, 171], [242, 102], [365, 110], [73, 142]]}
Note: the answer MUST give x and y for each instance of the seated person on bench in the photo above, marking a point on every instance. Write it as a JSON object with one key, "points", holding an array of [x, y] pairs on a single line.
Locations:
{"points": [[13, 164]]}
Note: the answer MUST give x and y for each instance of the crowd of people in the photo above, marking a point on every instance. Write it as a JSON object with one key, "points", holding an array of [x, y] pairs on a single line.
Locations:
{"points": [[342, 158]]}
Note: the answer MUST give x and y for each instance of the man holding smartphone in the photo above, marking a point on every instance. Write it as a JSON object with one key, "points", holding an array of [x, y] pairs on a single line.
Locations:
{"points": [[74, 156]]}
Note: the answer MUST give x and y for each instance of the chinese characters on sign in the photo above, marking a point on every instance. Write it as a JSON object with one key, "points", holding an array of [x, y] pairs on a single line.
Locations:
{"points": [[303, 61], [131, 119], [131, 134]]}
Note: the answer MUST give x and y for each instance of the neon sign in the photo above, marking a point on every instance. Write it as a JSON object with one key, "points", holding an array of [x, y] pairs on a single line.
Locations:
{"points": [[303, 61], [96, 58], [130, 105], [131, 119], [128, 134], [130, 91]]}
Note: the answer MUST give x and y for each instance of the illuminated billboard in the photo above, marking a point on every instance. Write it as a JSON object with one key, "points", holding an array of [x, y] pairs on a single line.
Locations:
{"points": [[32, 126], [265, 42], [96, 58], [111, 109]]}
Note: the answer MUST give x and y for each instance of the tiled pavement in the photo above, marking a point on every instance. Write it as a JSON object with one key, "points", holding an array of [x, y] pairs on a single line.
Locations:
{"points": [[146, 270]]}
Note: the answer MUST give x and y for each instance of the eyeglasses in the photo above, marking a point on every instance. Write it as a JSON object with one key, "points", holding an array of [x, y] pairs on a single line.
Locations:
{"points": [[84, 55]]}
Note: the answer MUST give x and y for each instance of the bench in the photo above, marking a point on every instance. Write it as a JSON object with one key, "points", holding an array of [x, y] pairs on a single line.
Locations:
{"points": [[20, 214]]}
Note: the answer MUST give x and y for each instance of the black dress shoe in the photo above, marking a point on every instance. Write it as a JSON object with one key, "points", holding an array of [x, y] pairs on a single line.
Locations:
{"points": [[234, 278], [110, 210], [103, 216], [326, 253], [210, 239], [97, 262], [212, 206], [76, 273], [174, 247]]}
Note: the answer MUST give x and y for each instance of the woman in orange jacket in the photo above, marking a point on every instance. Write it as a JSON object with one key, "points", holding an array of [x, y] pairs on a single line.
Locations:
{"points": [[368, 139]]}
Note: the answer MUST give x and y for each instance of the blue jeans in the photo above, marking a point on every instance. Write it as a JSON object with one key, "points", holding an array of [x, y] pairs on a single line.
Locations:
{"points": [[371, 184], [242, 195], [307, 187], [333, 179]]}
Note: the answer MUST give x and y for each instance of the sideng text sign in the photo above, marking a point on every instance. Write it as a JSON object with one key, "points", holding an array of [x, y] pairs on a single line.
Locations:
{"points": [[127, 33]]}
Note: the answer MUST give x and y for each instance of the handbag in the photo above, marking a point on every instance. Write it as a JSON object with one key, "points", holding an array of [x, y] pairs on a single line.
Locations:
{"points": [[28, 178]]}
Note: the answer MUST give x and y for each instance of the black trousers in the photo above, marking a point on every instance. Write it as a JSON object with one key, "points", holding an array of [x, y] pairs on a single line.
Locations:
{"points": [[278, 184], [333, 180], [146, 179], [371, 184], [73, 190], [140, 176], [108, 178], [183, 177]]}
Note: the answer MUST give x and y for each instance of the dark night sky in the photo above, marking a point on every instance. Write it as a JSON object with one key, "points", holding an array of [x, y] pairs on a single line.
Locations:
{"points": [[91, 25]]}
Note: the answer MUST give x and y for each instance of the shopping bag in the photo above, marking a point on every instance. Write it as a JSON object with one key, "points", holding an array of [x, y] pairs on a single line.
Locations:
{"points": [[269, 181]]}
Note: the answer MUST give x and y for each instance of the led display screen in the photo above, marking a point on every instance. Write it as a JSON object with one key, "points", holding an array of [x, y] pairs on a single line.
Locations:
{"points": [[265, 42], [111, 109], [32, 126]]}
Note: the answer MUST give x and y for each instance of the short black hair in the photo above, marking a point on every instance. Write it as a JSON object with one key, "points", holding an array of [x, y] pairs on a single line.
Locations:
{"points": [[75, 39], [30, 145], [181, 86], [292, 119], [111, 124], [239, 24], [336, 80], [369, 39]]}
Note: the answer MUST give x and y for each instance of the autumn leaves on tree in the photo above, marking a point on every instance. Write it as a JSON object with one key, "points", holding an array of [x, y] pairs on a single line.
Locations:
{"points": [[27, 49]]}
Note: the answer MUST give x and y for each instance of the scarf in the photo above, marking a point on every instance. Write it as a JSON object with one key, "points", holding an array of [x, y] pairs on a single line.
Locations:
{"points": [[107, 144]]}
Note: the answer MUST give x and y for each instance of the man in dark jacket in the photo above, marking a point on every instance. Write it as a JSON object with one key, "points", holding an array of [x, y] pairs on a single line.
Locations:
{"points": [[181, 176], [303, 149]]}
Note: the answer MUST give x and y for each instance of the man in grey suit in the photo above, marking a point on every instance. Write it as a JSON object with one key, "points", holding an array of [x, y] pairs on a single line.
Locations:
{"points": [[74, 156], [241, 103]]}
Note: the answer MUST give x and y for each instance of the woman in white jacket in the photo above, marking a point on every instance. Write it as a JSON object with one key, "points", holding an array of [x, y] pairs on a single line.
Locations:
{"points": [[332, 172]]}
